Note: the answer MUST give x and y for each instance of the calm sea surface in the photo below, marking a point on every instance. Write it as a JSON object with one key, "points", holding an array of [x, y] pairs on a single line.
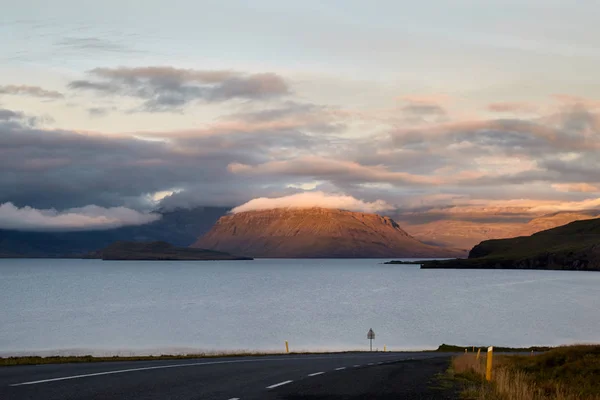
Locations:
{"points": [[91, 306]]}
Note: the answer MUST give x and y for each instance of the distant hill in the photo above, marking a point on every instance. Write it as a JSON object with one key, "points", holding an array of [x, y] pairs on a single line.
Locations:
{"points": [[459, 234], [575, 246], [162, 251], [315, 233], [180, 227], [466, 231], [554, 220]]}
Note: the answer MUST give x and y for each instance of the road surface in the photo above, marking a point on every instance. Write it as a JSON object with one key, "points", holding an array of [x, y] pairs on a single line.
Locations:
{"points": [[337, 376]]}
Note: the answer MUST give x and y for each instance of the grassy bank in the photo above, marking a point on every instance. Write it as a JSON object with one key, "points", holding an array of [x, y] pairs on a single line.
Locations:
{"points": [[38, 360], [563, 373], [451, 348]]}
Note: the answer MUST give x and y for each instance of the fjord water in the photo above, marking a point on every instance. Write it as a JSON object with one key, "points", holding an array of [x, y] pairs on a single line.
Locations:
{"points": [[129, 307]]}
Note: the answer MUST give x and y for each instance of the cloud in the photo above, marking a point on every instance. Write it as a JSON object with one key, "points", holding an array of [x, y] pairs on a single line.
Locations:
{"points": [[168, 88], [85, 218], [93, 44], [100, 111], [424, 105], [511, 107], [73, 168], [15, 119], [6, 115], [314, 199], [589, 204], [576, 187], [285, 146], [330, 169], [570, 100], [439, 98], [33, 91], [424, 109]]}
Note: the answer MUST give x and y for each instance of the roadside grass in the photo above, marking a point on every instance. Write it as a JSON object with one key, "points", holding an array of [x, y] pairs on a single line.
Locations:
{"points": [[563, 373], [452, 348], [39, 360]]}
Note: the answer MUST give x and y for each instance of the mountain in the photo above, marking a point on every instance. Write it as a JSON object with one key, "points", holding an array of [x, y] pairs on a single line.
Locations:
{"points": [[459, 234], [315, 233], [575, 246], [180, 227], [162, 251]]}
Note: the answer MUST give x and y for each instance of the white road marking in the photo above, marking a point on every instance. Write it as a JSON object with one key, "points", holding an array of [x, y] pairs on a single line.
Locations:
{"points": [[279, 384], [340, 368], [379, 363], [370, 364], [123, 371], [316, 373], [235, 398], [356, 366]]}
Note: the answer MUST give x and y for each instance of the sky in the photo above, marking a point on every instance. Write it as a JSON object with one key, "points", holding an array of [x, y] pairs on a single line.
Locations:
{"points": [[111, 110]]}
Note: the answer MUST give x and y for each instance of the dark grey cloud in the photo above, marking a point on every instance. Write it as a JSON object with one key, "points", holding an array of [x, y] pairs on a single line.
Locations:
{"points": [[168, 88], [18, 118], [33, 91], [6, 115], [64, 169]]}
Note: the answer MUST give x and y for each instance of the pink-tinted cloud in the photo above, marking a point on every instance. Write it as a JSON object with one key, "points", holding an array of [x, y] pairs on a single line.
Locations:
{"points": [[581, 187], [33, 91], [327, 168], [314, 199], [512, 107]]}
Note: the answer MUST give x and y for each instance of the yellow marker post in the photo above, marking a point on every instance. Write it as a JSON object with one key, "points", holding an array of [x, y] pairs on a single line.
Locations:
{"points": [[488, 370], [384, 348], [478, 353], [287, 347]]}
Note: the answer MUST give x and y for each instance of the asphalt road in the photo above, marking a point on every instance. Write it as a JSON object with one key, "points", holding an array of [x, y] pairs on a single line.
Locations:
{"points": [[330, 376]]}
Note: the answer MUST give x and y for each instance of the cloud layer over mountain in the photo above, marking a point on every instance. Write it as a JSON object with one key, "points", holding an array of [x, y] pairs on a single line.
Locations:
{"points": [[314, 199]]}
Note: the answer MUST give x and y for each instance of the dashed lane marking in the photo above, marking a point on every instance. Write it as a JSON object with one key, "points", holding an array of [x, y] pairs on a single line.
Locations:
{"points": [[316, 373], [279, 384], [340, 368]]}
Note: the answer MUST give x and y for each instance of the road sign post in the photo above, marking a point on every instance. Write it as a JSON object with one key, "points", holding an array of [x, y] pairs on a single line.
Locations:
{"points": [[371, 336]]}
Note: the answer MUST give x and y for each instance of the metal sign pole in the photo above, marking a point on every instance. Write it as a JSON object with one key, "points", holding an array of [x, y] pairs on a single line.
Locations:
{"points": [[371, 336]]}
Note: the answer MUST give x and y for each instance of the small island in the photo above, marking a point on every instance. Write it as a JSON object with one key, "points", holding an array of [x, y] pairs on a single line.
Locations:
{"points": [[159, 251]]}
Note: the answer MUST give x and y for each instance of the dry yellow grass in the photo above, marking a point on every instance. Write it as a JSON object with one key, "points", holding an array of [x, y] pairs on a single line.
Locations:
{"points": [[541, 377]]}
